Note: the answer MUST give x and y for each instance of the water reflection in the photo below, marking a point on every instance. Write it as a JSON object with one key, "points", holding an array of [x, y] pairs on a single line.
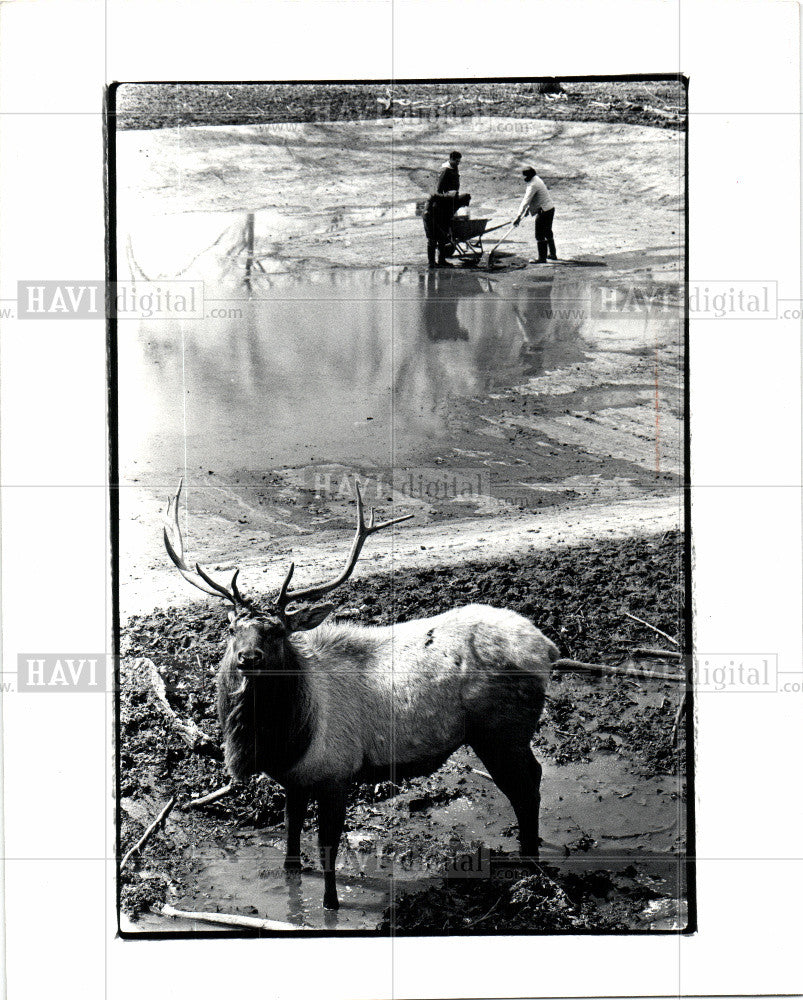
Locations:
{"points": [[440, 301], [341, 366]]}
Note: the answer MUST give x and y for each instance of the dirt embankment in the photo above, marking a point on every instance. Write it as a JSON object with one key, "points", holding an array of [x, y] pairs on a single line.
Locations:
{"points": [[158, 106], [579, 597], [222, 542]]}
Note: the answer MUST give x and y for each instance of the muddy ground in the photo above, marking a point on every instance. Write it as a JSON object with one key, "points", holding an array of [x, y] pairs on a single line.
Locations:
{"points": [[614, 786], [349, 194]]}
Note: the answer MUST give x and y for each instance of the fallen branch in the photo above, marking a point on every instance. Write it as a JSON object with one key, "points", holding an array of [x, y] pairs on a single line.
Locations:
{"points": [[230, 919], [678, 716], [146, 836], [485, 915], [195, 738], [658, 654], [632, 672], [482, 774], [654, 628], [674, 115], [641, 833], [205, 800]]}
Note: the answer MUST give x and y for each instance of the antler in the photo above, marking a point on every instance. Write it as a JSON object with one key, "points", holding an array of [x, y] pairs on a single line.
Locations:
{"points": [[198, 577], [363, 531]]}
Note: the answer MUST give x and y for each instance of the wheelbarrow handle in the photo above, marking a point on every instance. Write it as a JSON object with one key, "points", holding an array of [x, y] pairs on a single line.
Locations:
{"points": [[500, 226]]}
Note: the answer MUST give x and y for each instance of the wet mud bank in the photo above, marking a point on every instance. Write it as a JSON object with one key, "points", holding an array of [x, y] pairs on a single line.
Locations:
{"points": [[614, 788]]}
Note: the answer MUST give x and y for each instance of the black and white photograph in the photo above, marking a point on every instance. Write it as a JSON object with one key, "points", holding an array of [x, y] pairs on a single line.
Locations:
{"points": [[400, 424], [401, 563]]}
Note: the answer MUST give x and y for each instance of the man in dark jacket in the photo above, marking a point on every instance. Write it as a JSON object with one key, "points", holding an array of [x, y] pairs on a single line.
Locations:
{"points": [[438, 213], [449, 178]]}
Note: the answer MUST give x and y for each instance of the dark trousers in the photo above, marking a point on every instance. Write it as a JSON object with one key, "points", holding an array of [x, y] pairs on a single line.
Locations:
{"points": [[437, 239], [543, 235]]}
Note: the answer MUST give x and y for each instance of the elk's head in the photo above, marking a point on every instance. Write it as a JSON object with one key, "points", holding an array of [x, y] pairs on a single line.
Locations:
{"points": [[258, 635]]}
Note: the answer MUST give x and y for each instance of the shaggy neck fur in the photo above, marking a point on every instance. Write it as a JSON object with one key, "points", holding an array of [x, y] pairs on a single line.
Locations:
{"points": [[267, 718]]}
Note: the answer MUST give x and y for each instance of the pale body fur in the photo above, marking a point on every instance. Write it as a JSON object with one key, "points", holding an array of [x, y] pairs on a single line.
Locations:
{"points": [[410, 693]]}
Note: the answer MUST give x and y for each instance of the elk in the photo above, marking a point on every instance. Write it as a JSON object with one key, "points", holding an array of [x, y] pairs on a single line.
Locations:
{"points": [[319, 706]]}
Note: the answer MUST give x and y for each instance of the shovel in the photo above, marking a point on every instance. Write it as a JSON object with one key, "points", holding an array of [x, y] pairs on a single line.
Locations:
{"points": [[489, 265]]}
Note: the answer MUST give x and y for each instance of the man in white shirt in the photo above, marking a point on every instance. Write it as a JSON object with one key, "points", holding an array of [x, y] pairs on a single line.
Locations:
{"points": [[536, 202]]}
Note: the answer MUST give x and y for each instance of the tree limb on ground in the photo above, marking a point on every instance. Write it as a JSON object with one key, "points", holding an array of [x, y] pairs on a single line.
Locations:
{"points": [[658, 654], [634, 672], [653, 628], [678, 716], [230, 919], [146, 836], [205, 800], [195, 738]]}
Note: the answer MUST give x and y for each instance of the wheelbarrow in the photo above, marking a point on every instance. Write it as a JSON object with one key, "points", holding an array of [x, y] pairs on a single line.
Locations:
{"points": [[465, 238]]}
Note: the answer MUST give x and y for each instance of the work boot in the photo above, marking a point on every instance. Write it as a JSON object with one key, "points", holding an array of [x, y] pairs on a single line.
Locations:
{"points": [[444, 263], [552, 253]]}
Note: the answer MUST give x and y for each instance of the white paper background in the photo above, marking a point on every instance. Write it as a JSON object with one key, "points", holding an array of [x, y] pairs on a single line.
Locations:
{"points": [[743, 63]]}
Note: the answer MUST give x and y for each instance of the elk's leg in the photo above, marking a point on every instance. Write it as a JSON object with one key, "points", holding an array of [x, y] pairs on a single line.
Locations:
{"points": [[295, 811], [331, 817], [518, 774]]}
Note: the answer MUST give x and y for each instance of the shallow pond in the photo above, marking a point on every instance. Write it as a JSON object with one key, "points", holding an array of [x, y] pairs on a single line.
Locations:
{"points": [[536, 378]]}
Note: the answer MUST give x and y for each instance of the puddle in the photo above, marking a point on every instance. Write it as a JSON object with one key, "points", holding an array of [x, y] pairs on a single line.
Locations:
{"points": [[596, 816], [390, 368]]}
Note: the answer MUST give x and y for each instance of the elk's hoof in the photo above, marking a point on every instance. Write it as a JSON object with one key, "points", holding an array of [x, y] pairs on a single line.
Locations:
{"points": [[331, 902], [531, 850]]}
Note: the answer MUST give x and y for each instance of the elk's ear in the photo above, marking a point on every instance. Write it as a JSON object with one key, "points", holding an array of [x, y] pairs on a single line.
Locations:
{"points": [[307, 618]]}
